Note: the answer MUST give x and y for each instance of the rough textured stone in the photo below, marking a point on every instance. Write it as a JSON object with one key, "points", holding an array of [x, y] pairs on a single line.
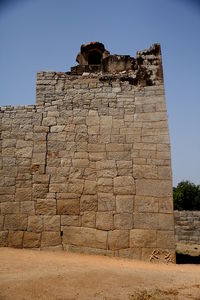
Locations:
{"points": [[124, 204], [68, 207], [104, 220], [157, 188], [90, 162], [88, 219], [88, 202], [118, 239], [124, 185], [15, 239], [45, 207], [123, 221], [140, 238], [15, 222], [51, 223], [50, 238], [88, 237], [31, 240], [35, 223], [3, 238]]}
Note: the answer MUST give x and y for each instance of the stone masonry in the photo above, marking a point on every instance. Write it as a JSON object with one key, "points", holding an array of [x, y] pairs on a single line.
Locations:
{"points": [[187, 227], [88, 168]]}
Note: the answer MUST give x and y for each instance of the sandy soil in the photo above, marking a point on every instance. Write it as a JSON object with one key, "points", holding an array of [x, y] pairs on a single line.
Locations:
{"points": [[28, 274]]}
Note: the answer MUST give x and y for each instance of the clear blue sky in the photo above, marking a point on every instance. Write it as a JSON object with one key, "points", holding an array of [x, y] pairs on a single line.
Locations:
{"points": [[47, 34]]}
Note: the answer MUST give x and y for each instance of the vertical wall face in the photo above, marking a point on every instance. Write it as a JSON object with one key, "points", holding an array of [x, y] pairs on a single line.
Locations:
{"points": [[88, 168]]}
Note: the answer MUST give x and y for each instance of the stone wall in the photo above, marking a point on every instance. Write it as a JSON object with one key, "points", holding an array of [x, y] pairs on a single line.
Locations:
{"points": [[187, 227], [88, 167]]}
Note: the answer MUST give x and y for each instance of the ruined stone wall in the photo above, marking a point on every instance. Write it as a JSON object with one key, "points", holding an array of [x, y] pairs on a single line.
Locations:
{"points": [[88, 168], [187, 227]]}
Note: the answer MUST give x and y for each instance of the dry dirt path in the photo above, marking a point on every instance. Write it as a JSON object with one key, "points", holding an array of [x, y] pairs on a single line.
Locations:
{"points": [[28, 274]]}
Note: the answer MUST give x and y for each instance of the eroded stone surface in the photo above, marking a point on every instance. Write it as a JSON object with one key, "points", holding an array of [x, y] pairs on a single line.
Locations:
{"points": [[88, 167]]}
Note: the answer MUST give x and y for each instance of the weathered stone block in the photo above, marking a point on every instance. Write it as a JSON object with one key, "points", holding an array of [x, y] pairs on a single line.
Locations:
{"points": [[166, 221], [40, 190], [106, 202], [90, 187], [15, 222], [142, 238], [124, 185], [146, 221], [1, 222], [9, 208], [3, 238], [68, 207], [124, 204], [146, 204], [15, 239], [50, 239], [166, 205], [27, 207], [123, 221], [88, 219], [51, 223], [45, 207], [35, 223], [157, 188], [165, 239], [88, 202], [31, 239], [118, 239], [88, 237], [70, 220], [104, 220], [23, 194]]}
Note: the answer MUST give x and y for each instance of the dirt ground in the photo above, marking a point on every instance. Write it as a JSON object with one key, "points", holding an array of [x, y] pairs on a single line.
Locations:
{"points": [[29, 274]]}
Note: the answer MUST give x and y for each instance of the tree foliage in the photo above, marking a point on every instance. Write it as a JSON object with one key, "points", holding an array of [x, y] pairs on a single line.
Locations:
{"points": [[186, 196]]}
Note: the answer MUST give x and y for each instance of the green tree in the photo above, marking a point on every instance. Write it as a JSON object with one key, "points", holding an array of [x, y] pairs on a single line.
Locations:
{"points": [[186, 196]]}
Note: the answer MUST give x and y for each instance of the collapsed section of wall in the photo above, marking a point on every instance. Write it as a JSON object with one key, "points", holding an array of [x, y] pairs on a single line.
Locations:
{"points": [[88, 168]]}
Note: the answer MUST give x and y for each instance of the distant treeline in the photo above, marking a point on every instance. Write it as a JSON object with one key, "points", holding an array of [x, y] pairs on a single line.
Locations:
{"points": [[186, 196]]}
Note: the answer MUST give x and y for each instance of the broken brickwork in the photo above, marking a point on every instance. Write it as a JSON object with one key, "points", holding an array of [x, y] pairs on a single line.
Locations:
{"points": [[88, 168]]}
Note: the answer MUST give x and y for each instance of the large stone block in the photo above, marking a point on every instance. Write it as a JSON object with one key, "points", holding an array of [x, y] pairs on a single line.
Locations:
{"points": [[88, 219], [124, 204], [88, 202], [166, 221], [70, 220], [118, 239], [90, 187], [142, 238], [15, 222], [51, 223], [88, 237], [23, 194], [40, 190], [157, 188], [106, 202], [123, 221], [35, 223], [68, 207], [50, 238], [27, 207], [3, 238], [146, 221], [104, 220], [165, 239], [45, 207], [146, 204], [124, 185], [15, 239], [31, 239], [9, 208]]}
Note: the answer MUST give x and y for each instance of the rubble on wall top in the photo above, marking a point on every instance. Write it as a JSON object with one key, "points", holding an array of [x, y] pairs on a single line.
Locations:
{"points": [[94, 60]]}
